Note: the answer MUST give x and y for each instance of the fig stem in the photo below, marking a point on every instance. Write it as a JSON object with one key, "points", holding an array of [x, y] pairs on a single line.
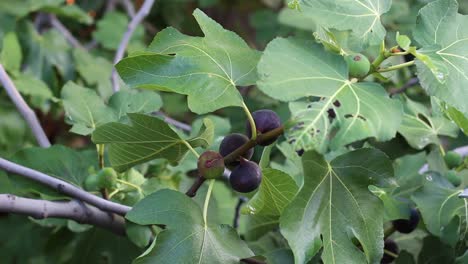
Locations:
{"points": [[391, 254], [233, 156], [397, 67], [195, 186], [130, 184], [114, 192], [207, 202], [191, 148], [251, 121], [100, 152]]}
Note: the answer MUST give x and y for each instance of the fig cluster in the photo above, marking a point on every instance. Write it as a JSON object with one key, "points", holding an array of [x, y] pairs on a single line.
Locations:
{"points": [[246, 175], [108, 179], [104, 179]]}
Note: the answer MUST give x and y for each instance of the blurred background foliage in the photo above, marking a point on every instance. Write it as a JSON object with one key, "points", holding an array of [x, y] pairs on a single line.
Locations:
{"points": [[40, 60]]}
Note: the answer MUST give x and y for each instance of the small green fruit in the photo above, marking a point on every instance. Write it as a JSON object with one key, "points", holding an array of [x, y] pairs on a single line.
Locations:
{"points": [[91, 183], [454, 178], [358, 65], [453, 159], [210, 165], [131, 198], [107, 178]]}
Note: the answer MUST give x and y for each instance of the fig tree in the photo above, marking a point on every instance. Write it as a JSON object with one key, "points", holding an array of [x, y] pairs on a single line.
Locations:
{"points": [[389, 246], [231, 143], [453, 159], [407, 226], [210, 165], [358, 65], [246, 177], [265, 121]]}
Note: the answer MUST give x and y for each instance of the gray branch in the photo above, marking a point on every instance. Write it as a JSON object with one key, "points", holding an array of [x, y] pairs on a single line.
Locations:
{"points": [[128, 5], [27, 113], [74, 210], [64, 187], [64, 31], [142, 13], [177, 124]]}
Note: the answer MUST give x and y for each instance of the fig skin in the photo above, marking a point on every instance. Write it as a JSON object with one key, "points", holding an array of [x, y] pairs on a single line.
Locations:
{"points": [[107, 178], [210, 165], [246, 177], [231, 143], [454, 178], [453, 159], [91, 183], [358, 64], [391, 246], [407, 226], [265, 121]]}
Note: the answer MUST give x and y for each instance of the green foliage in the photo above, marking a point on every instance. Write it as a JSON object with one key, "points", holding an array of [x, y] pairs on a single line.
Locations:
{"points": [[365, 144], [214, 65], [187, 237]]}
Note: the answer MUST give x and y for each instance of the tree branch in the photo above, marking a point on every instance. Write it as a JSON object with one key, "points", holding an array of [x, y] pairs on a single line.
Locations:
{"points": [[175, 123], [64, 31], [142, 13], [27, 113], [64, 187], [128, 5], [74, 210], [411, 82]]}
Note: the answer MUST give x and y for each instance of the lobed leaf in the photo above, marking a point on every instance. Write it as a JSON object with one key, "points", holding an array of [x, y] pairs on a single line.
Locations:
{"points": [[335, 206], [206, 69]]}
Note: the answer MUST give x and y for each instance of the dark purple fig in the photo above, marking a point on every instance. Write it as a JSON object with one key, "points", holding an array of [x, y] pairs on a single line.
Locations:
{"points": [[231, 143], [407, 225], [210, 165], [246, 177], [265, 121], [389, 246]]}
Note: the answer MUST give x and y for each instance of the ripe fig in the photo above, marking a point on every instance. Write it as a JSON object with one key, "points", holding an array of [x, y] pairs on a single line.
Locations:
{"points": [[390, 246], [358, 65], [231, 143], [246, 177], [454, 178], [107, 178], [91, 183], [453, 159], [407, 226], [210, 165], [265, 121]]}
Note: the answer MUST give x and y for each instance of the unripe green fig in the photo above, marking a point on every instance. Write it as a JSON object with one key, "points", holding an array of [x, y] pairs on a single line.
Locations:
{"points": [[454, 178], [131, 198], [453, 159], [390, 246], [231, 143], [246, 177], [358, 65], [265, 121], [91, 183], [107, 178], [210, 165]]}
